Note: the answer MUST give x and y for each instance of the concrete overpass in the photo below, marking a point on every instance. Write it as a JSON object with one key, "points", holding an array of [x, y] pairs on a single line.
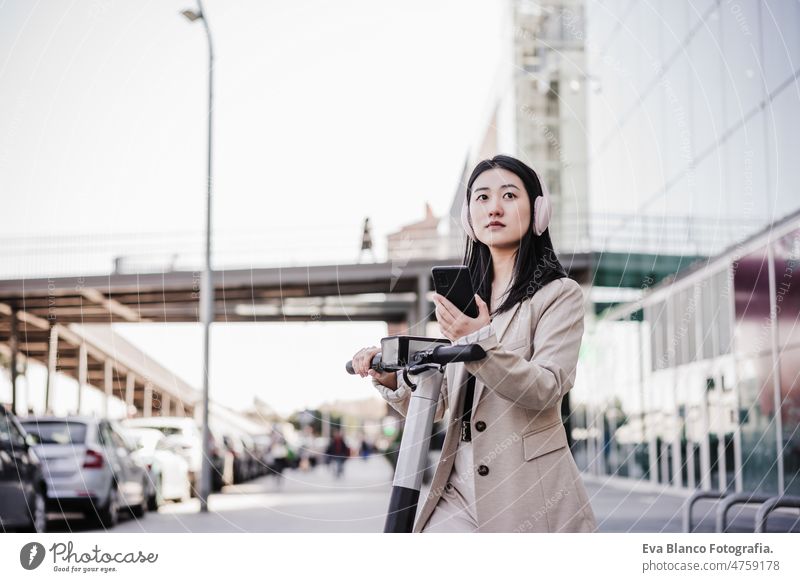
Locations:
{"points": [[94, 356], [48, 319]]}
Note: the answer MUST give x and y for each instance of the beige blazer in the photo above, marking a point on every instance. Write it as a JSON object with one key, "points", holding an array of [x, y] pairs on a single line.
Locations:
{"points": [[525, 477]]}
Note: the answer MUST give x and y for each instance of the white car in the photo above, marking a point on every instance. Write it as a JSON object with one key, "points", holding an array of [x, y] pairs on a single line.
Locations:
{"points": [[182, 432], [168, 471]]}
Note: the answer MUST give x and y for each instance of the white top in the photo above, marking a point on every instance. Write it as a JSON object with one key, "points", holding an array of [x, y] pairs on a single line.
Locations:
{"points": [[455, 510], [463, 479]]}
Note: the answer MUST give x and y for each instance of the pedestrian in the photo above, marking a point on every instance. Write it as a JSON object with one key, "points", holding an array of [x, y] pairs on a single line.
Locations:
{"points": [[365, 449], [366, 241], [505, 463], [277, 458], [337, 453]]}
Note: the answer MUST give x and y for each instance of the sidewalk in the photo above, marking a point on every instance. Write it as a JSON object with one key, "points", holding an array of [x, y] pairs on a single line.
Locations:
{"points": [[312, 501], [622, 505], [316, 502]]}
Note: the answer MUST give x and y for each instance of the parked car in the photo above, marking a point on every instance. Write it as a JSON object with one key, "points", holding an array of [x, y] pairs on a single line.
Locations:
{"points": [[221, 461], [262, 444], [184, 436], [23, 490], [241, 466], [168, 471], [251, 456], [280, 455], [88, 466]]}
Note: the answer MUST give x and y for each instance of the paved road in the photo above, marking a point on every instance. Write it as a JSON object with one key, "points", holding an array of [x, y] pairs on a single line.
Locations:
{"points": [[312, 501], [316, 502]]}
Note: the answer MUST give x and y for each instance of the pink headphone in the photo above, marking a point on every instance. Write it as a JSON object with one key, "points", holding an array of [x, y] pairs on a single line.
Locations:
{"points": [[542, 211]]}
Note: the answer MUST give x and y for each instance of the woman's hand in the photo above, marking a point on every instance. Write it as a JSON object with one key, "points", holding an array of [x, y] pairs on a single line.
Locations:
{"points": [[454, 322], [362, 363]]}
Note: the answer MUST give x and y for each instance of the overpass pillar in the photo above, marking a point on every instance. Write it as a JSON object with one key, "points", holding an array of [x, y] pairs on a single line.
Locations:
{"points": [[13, 342], [108, 382], [83, 373], [148, 399], [52, 364], [130, 386], [421, 311]]}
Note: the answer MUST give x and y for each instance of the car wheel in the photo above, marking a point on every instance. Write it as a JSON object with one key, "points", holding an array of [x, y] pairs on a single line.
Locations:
{"points": [[140, 510], [154, 501], [217, 482], [38, 522], [194, 485], [108, 516]]}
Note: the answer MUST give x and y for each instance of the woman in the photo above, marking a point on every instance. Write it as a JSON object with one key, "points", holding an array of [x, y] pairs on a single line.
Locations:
{"points": [[505, 464]]}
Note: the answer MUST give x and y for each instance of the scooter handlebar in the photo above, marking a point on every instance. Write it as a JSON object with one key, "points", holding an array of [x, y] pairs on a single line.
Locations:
{"points": [[464, 353], [441, 355], [376, 364]]}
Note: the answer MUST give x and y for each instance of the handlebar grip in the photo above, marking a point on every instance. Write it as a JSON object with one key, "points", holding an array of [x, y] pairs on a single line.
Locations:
{"points": [[376, 364]]}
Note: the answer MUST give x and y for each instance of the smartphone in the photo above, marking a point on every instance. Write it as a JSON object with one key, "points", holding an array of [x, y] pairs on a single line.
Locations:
{"points": [[455, 283]]}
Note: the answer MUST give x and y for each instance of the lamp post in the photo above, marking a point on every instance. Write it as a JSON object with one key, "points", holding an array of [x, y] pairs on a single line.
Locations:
{"points": [[206, 283]]}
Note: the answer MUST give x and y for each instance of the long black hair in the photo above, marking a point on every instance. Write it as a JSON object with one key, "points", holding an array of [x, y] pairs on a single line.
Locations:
{"points": [[535, 263]]}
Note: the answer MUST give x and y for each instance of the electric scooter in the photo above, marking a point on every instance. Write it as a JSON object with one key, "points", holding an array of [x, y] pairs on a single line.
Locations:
{"points": [[424, 359]]}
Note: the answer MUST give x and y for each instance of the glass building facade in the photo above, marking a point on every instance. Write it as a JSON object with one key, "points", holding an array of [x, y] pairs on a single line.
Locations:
{"points": [[693, 122], [697, 385], [692, 118]]}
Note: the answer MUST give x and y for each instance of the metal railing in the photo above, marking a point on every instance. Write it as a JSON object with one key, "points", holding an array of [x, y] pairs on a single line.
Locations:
{"points": [[732, 500], [671, 235], [771, 505], [688, 525], [728, 499], [98, 254]]}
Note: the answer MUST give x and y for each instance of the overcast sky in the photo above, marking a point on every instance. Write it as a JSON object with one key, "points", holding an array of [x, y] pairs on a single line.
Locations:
{"points": [[326, 112]]}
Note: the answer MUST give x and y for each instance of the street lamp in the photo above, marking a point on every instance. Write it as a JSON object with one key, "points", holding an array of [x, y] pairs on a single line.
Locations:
{"points": [[206, 283], [192, 15]]}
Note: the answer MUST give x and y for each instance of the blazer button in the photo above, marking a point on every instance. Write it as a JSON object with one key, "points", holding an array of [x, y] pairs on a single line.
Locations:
{"points": [[448, 487], [480, 426], [483, 470]]}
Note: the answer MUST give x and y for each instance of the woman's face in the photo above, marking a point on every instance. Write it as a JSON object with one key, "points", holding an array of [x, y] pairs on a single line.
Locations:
{"points": [[498, 196]]}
